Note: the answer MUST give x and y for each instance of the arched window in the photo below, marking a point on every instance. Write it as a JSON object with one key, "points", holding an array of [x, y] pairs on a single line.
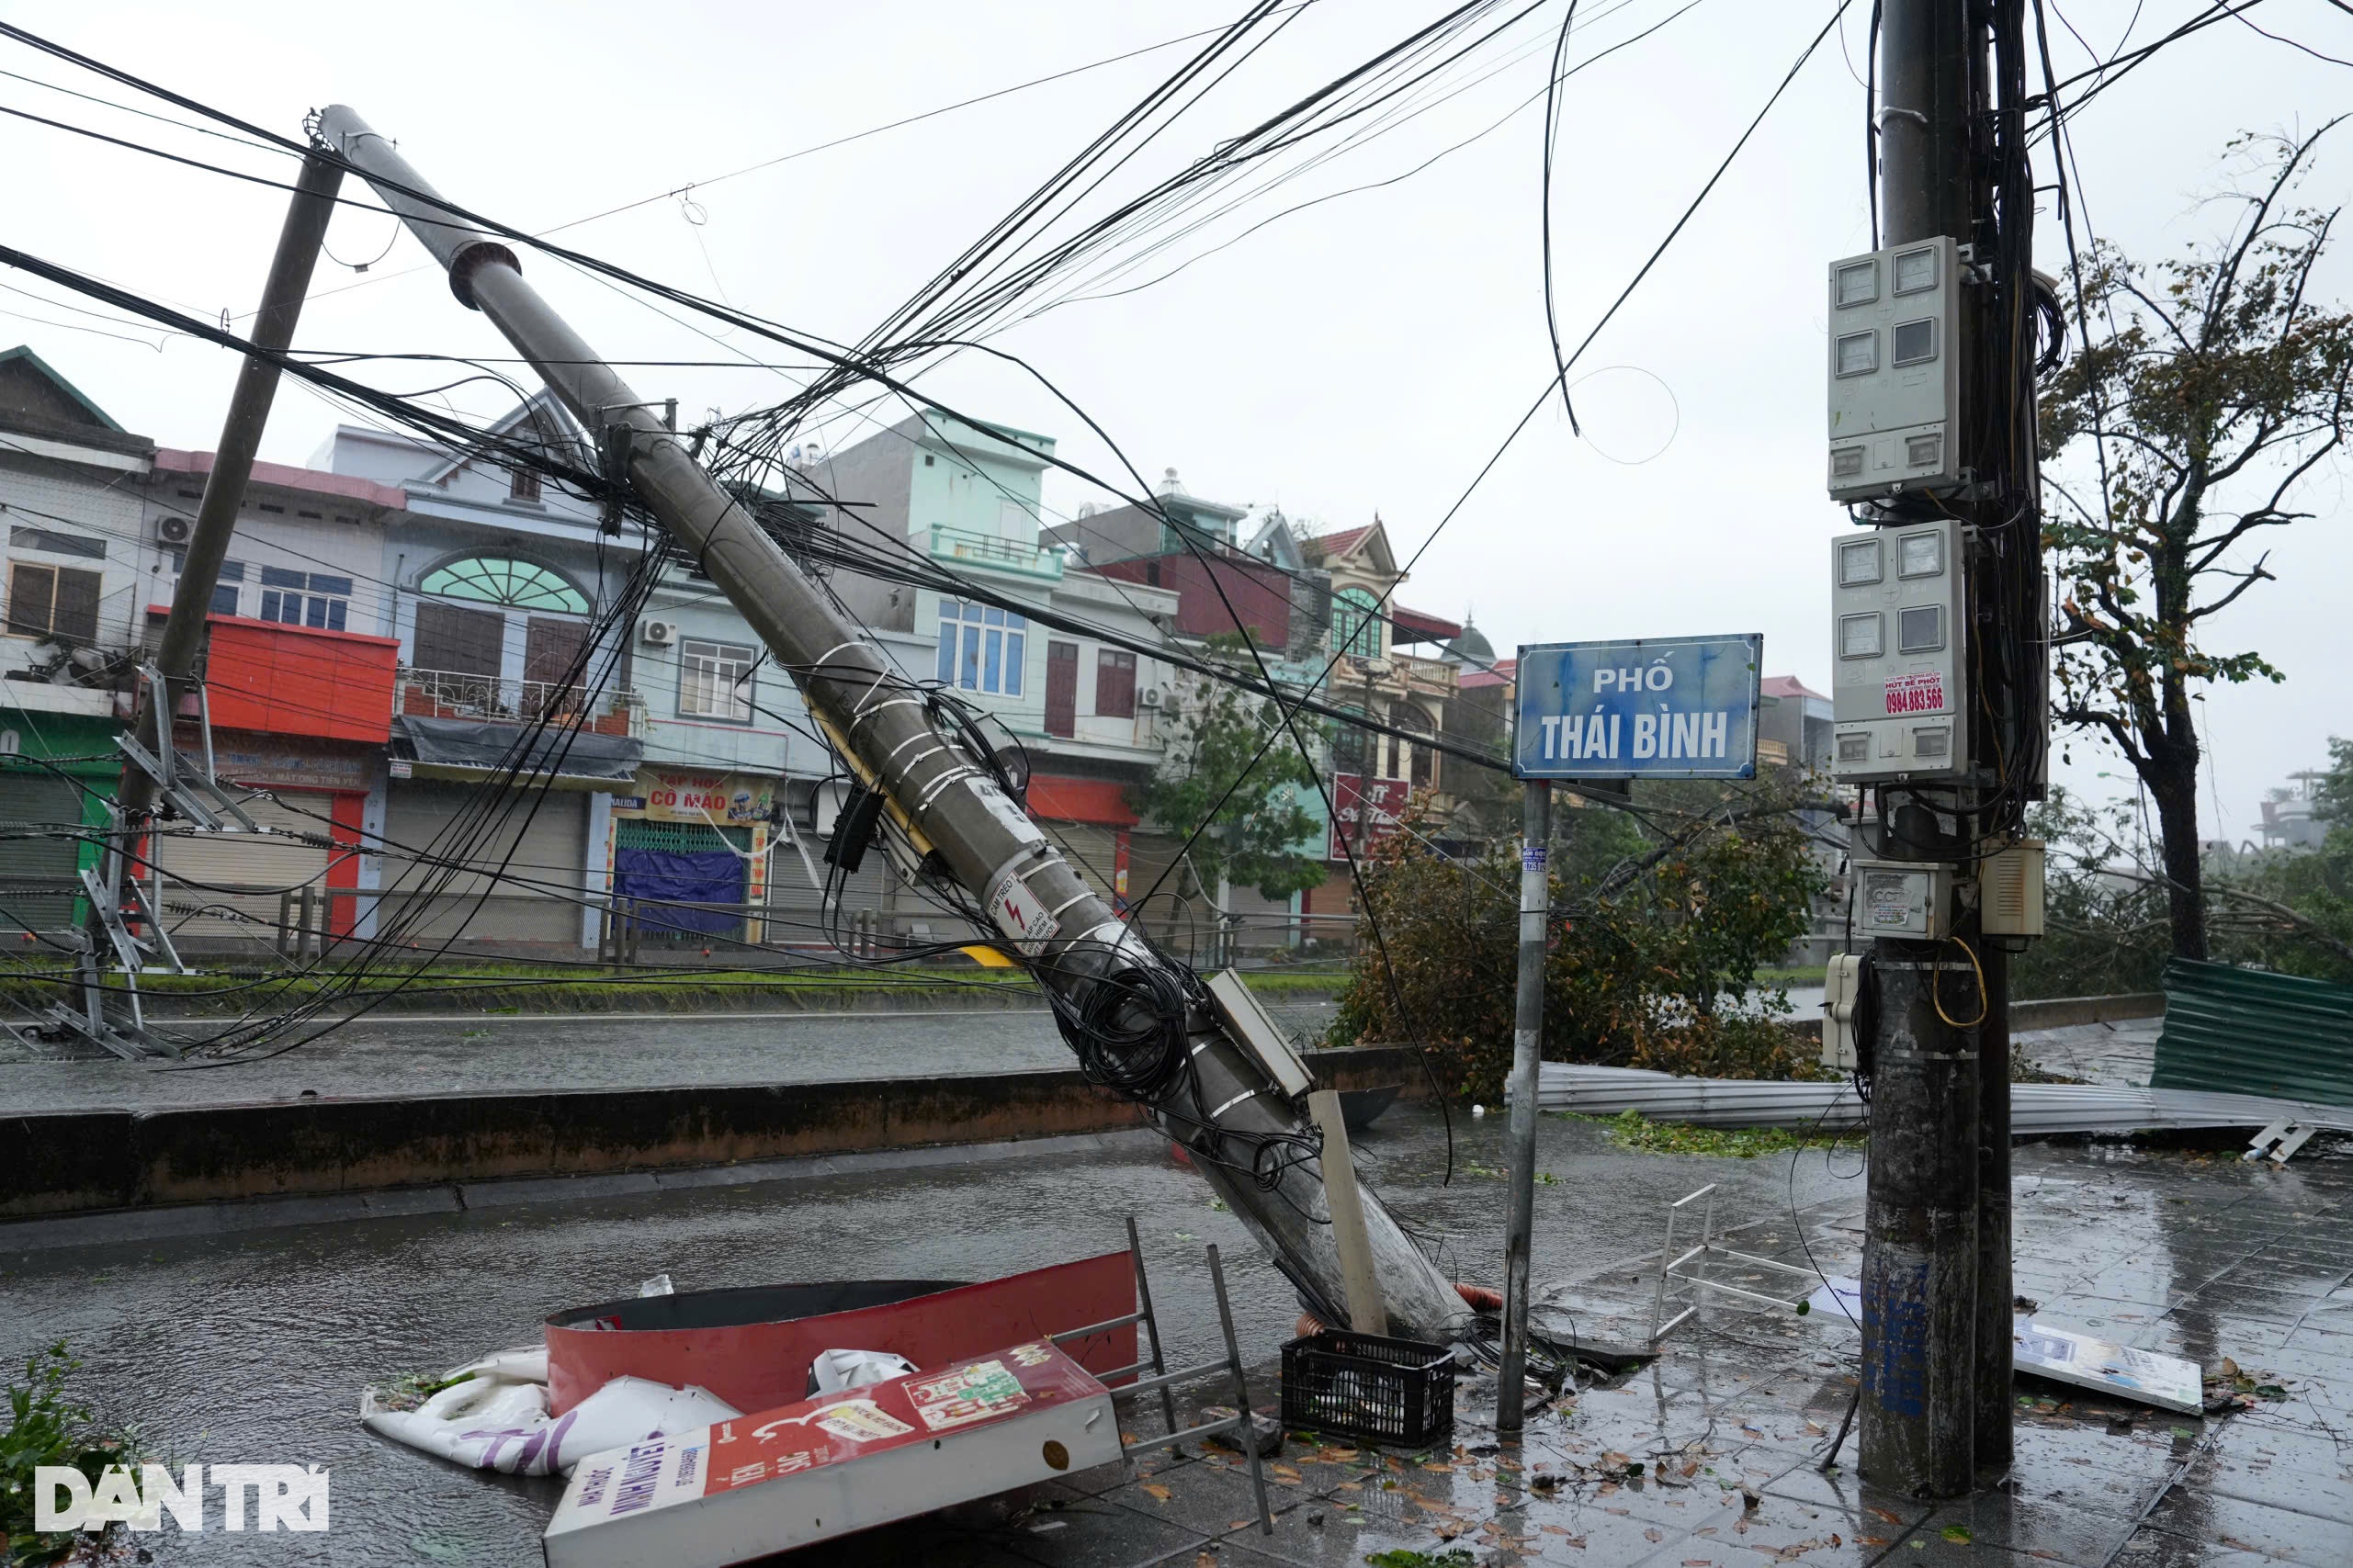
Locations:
{"points": [[501, 579], [1356, 624]]}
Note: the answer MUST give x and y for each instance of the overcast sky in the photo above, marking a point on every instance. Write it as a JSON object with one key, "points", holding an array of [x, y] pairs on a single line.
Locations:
{"points": [[1363, 356]]}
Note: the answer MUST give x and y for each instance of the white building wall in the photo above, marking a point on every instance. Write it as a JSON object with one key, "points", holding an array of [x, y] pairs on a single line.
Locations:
{"points": [[97, 500]]}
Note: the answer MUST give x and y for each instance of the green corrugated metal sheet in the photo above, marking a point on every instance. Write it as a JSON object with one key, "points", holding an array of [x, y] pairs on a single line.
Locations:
{"points": [[2244, 1031]]}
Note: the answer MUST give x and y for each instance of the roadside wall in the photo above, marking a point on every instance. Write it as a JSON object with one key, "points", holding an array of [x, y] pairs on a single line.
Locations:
{"points": [[81, 1162]]}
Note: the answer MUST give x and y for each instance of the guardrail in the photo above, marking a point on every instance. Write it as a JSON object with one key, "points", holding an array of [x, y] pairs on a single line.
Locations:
{"points": [[450, 693]]}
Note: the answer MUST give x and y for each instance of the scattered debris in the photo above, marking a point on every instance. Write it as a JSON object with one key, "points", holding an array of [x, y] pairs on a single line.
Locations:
{"points": [[2228, 1388], [1265, 1429], [2070, 1355], [504, 1424]]}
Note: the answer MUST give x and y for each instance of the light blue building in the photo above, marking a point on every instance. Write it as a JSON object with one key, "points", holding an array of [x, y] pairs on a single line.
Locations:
{"points": [[1088, 710]]}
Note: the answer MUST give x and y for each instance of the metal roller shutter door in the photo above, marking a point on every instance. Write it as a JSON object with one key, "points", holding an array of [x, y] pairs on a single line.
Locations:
{"points": [[268, 862], [37, 864], [538, 901], [796, 913], [1177, 915], [1260, 924], [1093, 851]]}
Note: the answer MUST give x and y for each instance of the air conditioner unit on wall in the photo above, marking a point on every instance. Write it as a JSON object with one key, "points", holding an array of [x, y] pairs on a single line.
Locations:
{"points": [[658, 634], [1151, 696], [173, 530]]}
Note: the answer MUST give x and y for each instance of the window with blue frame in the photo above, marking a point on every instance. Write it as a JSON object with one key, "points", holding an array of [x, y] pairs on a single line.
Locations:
{"points": [[1356, 624], [305, 599], [224, 594], [981, 647]]}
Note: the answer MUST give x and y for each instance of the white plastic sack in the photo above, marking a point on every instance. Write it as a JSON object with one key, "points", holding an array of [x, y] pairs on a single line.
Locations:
{"points": [[493, 1423], [834, 1371], [524, 1363]]}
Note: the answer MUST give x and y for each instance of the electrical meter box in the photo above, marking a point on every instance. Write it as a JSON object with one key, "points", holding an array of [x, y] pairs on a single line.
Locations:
{"points": [[1841, 995], [1903, 898], [1900, 628], [2009, 883], [1894, 370]]}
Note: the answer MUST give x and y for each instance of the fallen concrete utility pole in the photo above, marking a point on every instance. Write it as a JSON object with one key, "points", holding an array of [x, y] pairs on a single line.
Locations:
{"points": [[1225, 1106]]}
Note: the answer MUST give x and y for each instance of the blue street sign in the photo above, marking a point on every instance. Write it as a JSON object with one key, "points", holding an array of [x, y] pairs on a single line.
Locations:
{"points": [[1682, 707]]}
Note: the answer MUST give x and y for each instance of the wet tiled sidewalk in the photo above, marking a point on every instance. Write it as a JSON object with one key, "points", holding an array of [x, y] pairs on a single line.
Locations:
{"points": [[2197, 1256]]}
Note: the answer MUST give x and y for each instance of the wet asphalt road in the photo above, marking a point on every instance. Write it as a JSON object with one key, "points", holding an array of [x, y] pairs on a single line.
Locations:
{"points": [[255, 1346], [479, 1053]]}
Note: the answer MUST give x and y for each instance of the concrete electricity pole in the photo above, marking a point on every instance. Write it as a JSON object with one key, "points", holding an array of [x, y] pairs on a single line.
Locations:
{"points": [[216, 521], [1225, 1105], [240, 436], [1935, 1285]]}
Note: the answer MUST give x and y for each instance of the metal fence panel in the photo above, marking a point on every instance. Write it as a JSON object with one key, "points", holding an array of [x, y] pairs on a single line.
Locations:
{"points": [[2245, 1032]]}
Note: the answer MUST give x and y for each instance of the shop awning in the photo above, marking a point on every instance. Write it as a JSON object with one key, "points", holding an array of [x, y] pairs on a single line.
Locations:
{"points": [[1099, 801], [488, 746]]}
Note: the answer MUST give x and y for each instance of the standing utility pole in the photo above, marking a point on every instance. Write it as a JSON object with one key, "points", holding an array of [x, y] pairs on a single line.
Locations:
{"points": [[1936, 1300], [1248, 1137], [1527, 1053], [232, 462]]}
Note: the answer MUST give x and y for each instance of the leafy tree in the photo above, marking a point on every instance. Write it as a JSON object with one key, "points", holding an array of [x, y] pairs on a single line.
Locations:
{"points": [[2332, 795], [2214, 386], [1257, 829], [2106, 911], [1661, 916], [2105, 927]]}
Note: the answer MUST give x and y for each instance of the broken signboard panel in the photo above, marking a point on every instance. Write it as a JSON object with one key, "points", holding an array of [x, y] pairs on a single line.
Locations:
{"points": [[2071, 1356], [752, 1346], [739, 1490]]}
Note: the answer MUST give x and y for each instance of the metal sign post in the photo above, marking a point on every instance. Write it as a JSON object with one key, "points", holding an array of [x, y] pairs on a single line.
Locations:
{"points": [[1527, 1053], [1656, 707]]}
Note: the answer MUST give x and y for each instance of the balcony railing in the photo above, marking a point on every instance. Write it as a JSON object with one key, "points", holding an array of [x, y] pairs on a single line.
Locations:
{"points": [[447, 693], [987, 550], [1428, 672]]}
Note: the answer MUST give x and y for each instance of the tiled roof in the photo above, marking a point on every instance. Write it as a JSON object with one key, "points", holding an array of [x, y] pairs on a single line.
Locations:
{"points": [[1341, 543], [1500, 675]]}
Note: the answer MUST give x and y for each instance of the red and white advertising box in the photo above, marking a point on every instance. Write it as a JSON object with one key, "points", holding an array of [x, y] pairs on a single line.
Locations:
{"points": [[825, 1467]]}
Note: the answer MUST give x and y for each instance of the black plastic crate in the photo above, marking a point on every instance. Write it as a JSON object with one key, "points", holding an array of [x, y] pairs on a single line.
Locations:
{"points": [[1368, 1387]]}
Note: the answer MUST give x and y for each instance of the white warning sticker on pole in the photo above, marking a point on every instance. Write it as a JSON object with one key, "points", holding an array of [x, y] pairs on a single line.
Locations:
{"points": [[1001, 805], [1022, 915]]}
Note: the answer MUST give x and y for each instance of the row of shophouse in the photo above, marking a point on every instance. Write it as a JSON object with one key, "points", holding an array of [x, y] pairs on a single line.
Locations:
{"points": [[416, 656]]}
